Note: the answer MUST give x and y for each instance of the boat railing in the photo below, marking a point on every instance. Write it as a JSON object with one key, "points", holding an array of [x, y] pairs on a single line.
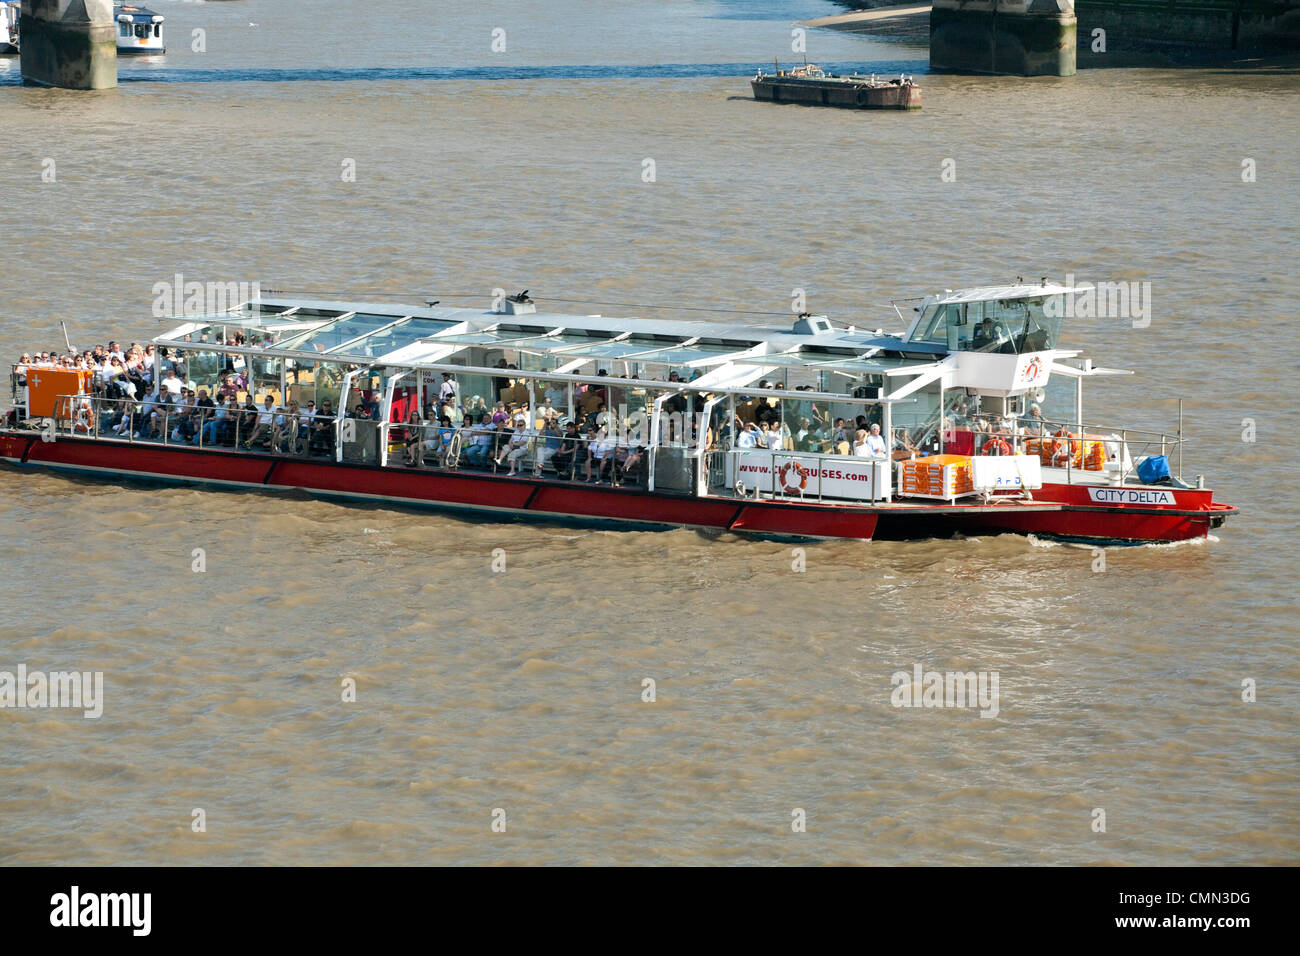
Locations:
{"points": [[535, 455], [1064, 444], [209, 427]]}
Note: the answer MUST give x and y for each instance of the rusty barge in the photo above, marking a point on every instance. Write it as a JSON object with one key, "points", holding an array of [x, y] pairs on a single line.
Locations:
{"points": [[813, 85]]}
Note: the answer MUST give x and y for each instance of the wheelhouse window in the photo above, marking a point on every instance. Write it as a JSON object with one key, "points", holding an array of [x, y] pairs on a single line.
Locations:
{"points": [[1029, 324]]}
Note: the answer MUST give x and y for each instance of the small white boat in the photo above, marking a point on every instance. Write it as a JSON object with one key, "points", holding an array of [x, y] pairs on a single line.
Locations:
{"points": [[9, 12], [139, 30]]}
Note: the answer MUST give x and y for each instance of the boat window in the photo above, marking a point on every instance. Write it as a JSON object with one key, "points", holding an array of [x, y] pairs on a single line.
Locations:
{"points": [[142, 31], [1044, 323], [124, 29], [205, 369], [944, 325]]}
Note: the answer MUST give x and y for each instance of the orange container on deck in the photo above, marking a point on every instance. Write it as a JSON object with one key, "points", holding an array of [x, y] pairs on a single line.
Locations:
{"points": [[1089, 454], [937, 476], [45, 385]]}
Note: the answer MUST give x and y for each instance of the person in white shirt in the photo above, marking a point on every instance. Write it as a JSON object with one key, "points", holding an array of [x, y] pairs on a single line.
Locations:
{"points": [[602, 453], [171, 384], [775, 440], [748, 438], [265, 421], [447, 390], [518, 445], [860, 448], [876, 446]]}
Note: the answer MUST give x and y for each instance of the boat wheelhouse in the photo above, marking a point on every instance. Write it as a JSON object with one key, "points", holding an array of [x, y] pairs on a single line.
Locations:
{"points": [[139, 30], [971, 420], [10, 11]]}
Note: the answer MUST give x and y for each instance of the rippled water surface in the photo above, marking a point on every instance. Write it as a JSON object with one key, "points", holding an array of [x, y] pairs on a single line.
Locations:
{"points": [[522, 690]]}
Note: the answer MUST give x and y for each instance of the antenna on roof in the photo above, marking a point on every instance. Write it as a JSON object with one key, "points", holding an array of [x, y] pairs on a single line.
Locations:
{"points": [[64, 326]]}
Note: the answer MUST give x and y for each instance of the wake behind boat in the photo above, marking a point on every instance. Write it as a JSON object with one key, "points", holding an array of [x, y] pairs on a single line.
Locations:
{"points": [[805, 431]]}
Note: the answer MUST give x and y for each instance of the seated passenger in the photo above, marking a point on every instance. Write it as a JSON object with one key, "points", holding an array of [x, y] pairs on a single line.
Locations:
{"points": [[565, 458], [322, 428], [1033, 424], [480, 441], [748, 437], [588, 444], [551, 439], [601, 454], [632, 464], [876, 447], [412, 439], [284, 431], [265, 421], [516, 447], [211, 432]]}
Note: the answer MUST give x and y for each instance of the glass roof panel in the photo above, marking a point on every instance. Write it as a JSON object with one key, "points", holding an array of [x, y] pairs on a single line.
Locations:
{"points": [[602, 348], [845, 363], [333, 334], [391, 339], [681, 354], [491, 337]]}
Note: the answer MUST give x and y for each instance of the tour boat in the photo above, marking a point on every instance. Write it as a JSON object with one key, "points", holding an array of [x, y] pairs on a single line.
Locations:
{"points": [[707, 425], [811, 84], [10, 10], [139, 30]]}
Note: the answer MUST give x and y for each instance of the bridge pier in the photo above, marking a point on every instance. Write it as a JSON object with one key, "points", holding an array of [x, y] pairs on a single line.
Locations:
{"points": [[71, 44], [1015, 37]]}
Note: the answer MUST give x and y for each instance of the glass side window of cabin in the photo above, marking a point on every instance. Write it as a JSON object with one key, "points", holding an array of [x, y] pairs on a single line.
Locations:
{"points": [[996, 325], [124, 29], [1044, 323], [943, 325]]}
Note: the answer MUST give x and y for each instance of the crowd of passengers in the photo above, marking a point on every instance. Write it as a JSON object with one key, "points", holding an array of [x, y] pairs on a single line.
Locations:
{"points": [[152, 396]]}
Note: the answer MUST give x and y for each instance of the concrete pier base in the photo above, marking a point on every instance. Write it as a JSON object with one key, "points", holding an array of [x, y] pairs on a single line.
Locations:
{"points": [[1013, 37], [71, 44]]}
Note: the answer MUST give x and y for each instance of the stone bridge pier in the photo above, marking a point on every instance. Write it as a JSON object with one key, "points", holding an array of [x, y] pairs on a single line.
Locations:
{"points": [[70, 44], [1017, 37]]}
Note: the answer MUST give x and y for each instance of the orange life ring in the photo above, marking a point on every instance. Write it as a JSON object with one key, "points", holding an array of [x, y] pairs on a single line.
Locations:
{"points": [[1057, 449], [798, 469], [996, 446], [83, 416]]}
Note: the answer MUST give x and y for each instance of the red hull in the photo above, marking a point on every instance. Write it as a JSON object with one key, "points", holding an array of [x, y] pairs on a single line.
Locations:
{"points": [[1061, 510]]}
